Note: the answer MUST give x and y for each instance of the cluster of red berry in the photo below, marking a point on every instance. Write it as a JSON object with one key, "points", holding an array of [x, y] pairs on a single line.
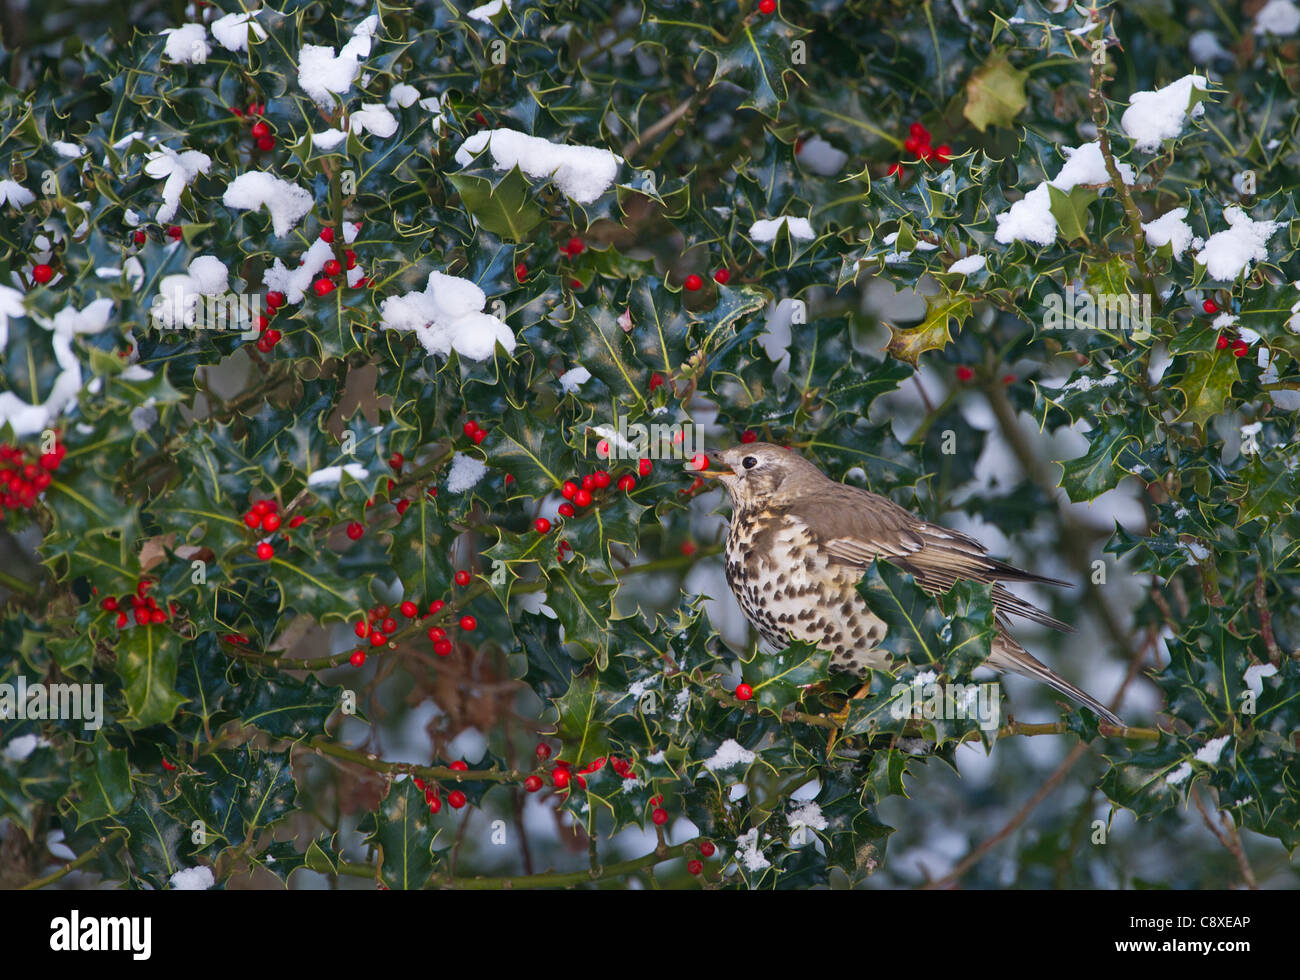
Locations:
{"points": [[474, 431], [918, 145], [23, 478], [145, 608], [322, 286], [455, 799], [260, 131], [1239, 347], [264, 515], [707, 850]]}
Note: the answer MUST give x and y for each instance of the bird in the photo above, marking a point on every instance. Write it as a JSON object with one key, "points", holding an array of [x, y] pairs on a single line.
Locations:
{"points": [[799, 542]]}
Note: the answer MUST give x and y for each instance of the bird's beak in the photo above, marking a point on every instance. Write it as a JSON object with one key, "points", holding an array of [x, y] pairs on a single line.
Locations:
{"points": [[717, 469]]}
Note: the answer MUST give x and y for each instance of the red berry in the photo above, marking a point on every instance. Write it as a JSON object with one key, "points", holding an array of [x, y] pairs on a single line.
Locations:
{"points": [[274, 300], [253, 519], [401, 506], [917, 131], [435, 607], [377, 639], [707, 848], [895, 170], [688, 548], [459, 766], [409, 609], [699, 461], [566, 510], [659, 815], [389, 625], [174, 232], [722, 277], [468, 623], [533, 783], [1211, 307], [588, 483], [964, 373], [462, 577], [656, 801], [322, 287], [157, 616], [358, 658], [42, 273], [569, 490], [560, 778], [271, 522], [435, 804], [295, 521], [1222, 343], [627, 483], [1240, 348], [656, 380], [943, 152], [260, 129], [543, 751], [265, 551], [257, 108], [456, 799], [327, 235], [121, 620], [381, 611], [1008, 379], [693, 283], [912, 145], [109, 604], [582, 498], [744, 692], [644, 466], [521, 272], [140, 237], [542, 525], [351, 256], [361, 629], [266, 144], [602, 479], [748, 436], [332, 267], [575, 246], [442, 647], [766, 6], [694, 867], [355, 531], [437, 633]]}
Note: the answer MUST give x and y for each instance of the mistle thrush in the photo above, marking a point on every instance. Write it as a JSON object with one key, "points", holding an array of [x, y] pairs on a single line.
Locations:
{"points": [[799, 542]]}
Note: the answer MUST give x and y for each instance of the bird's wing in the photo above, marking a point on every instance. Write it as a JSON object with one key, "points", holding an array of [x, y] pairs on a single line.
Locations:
{"points": [[855, 527]]}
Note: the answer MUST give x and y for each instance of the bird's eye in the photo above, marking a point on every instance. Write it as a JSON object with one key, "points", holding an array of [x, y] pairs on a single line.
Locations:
{"points": [[749, 462]]}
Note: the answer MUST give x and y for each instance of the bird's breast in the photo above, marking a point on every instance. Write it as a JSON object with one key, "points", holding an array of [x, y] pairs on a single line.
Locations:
{"points": [[788, 588]]}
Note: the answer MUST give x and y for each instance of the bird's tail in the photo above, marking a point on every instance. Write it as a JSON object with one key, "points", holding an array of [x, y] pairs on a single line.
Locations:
{"points": [[1007, 654]]}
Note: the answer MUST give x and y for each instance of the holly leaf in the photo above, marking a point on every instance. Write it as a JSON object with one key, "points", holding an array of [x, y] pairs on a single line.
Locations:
{"points": [[995, 93], [933, 333]]}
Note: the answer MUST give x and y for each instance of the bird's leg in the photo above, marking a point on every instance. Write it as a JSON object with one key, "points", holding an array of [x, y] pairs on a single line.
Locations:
{"points": [[841, 717]]}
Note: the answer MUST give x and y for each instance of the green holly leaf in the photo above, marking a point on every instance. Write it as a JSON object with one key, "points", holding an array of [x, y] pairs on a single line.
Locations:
{"points": [[933, 333], [402, 829], [1206, 385], [147, 660], [995, 93]]}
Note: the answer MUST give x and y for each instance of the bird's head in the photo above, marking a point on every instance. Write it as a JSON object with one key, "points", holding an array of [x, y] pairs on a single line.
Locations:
{"points": [[760, 474]]}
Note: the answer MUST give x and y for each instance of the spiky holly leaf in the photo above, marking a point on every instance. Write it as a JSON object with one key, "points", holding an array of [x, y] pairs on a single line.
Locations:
{"points": [[402, 829], [995, 93], [933, 333]]}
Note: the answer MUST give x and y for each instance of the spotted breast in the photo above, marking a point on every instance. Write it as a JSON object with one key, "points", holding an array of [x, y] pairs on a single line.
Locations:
{"points": [[788, 589]]}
